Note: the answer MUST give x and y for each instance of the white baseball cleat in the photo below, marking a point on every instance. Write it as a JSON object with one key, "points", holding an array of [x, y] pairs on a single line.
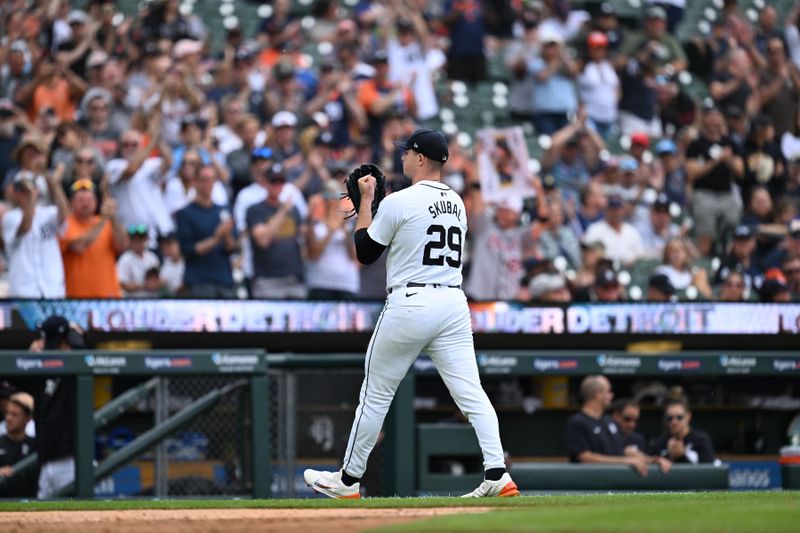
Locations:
{"points": [[502, 488], [330, 484]]}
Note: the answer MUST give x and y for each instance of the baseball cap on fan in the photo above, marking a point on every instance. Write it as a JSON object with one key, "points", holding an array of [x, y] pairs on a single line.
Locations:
{"points": [[429, 143]]}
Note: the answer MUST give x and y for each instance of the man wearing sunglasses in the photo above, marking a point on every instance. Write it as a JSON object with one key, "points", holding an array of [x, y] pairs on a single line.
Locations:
{"points": [[682, 443], [591, 436]]}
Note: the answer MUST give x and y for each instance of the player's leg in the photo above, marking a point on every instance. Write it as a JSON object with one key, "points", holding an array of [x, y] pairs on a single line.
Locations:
{"points": [[453, 353], [396, 342]]}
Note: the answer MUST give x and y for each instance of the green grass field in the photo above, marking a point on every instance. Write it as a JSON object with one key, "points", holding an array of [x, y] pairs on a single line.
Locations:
{"points": [[728, 512]]}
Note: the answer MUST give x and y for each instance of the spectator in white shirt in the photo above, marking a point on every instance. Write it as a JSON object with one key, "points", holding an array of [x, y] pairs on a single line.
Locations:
{"points": [[173, 266], [599, 87], [621, 240], [233, 108], [137, 179], [331, 268], [180, 189], [135, 266], [412, 60], [30, 233]]}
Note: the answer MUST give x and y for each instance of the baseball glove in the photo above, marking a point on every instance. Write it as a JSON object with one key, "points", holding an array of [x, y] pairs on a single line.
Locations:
{"points": [[353, 192]]}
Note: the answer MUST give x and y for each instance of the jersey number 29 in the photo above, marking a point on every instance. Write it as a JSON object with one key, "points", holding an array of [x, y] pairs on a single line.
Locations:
{"points": [[450, 237]]}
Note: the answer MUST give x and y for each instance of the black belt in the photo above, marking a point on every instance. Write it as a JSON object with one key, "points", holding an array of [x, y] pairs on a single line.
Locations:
{"points": [[411, 284]]}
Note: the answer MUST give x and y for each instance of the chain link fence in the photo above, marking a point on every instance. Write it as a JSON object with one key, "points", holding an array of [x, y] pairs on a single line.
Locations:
{"points": [[207, 457], [311, 412]]}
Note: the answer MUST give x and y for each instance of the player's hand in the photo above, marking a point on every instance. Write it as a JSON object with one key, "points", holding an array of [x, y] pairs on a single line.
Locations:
{"points": [[6, 471], [366, 185]]}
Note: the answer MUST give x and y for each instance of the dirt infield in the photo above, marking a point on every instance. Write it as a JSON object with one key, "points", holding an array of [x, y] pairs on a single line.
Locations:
{"points": [[216, 520]]}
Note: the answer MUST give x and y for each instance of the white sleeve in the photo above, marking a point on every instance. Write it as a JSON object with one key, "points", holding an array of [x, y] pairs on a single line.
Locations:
{"points": [[173, 195], [123, 268], [114, 168], [792, 35], [386, 221], [10, 223]]}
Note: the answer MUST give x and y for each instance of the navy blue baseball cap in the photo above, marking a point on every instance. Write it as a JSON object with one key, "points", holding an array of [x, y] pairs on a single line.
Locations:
{"points": [[429, 143]]}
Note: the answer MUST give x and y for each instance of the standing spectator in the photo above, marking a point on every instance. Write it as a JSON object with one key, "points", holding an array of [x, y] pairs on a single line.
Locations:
{"points": [[625, 413], [331, 269], [658, 228], [30, 233], [638, 107], [225, 135], [559, 240], [382, 98], [85, 167], [10, 118], [713, 168], [90, 244], [412, 56], [677, 266], [499, 247], [16, 71], [599, 86], [54, 86], [275, 226], [285, 149], [207, 238], [780, 87], [136, 180], [337, 100], [591, 436], [572, 155], [135, 266], [564, 20], [172, 100], [466, 57], [763, 162], [172, 265], [621, 240], [31, 155], [736, 83], [554, 96], [591, 209], [674, 171], [518, 55], [674, 10], [239, 161], [285, 93], [15, 445], [682, 443], [96, 114], [654, 45], [182, 188]]}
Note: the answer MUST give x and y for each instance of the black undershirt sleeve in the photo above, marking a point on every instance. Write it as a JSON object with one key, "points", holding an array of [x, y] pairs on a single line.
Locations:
{"points": [[367, 250]]}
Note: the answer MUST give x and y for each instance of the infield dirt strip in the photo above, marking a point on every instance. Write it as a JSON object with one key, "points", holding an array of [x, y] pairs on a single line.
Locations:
{"points": [[217, 520]]}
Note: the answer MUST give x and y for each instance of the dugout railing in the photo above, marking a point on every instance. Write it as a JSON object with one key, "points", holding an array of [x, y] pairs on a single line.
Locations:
{"points": [[294, 410]]}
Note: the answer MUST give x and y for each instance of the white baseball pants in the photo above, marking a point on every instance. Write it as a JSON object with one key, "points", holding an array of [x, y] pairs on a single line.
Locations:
{"points": [[435, 321]]}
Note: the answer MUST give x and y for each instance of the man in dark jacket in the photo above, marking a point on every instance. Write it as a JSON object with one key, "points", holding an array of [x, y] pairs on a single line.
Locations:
{"points": [[15, 445]]}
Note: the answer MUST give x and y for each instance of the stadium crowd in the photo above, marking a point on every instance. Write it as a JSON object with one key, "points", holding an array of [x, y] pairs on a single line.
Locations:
{"points": [[141, 159]]}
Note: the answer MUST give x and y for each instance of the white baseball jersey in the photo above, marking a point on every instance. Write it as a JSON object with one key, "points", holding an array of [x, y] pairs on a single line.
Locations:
{"points": [[35, 269], [424, 227]]}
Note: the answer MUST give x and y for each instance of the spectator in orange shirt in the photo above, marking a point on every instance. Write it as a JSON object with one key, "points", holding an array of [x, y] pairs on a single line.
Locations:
{"points": [[54, 86], [90, 244], [383, 99]]}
